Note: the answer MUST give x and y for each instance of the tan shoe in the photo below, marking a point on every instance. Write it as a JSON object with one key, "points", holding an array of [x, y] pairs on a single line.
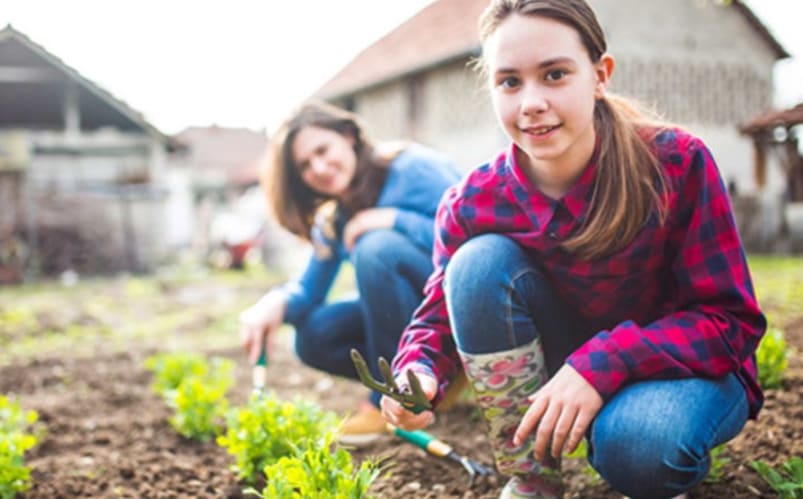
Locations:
{"points": [[363, 426], [457, 387]]}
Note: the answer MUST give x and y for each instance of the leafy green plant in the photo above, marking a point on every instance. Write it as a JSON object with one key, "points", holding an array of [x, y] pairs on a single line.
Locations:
{"points": [[170, 369], [267, 429], [718, 462], [200, 407], [788, 482], [318, 473], [771, 358], [15, 476]]}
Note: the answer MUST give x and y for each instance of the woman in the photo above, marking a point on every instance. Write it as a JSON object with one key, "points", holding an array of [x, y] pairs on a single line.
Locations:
{"points": [[590, 278], [330, 185]]}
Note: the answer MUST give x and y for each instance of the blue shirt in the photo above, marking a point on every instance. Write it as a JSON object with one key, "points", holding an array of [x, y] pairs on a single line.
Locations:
{"points": [[416, 180]]}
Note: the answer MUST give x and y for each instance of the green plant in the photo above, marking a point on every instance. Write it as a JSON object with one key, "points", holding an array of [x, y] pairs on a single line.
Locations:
{"points": [[15, 477], [200, 407], [267, 429], [771, 358], [718, 463], [318, 473], [581, 452], [170, 369], [788, 482]]}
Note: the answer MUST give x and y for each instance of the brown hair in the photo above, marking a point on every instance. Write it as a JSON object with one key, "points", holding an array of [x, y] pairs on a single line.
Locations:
{"points": [[292, 202], [630, 183]]}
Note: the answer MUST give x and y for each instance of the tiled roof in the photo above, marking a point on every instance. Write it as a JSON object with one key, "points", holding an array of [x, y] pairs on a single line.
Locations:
{"points": [[443, 30], [236, 153], [786, 118]]}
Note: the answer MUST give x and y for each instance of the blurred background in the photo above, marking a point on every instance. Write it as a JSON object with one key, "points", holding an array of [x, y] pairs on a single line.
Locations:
{"points": [[132, 133]]}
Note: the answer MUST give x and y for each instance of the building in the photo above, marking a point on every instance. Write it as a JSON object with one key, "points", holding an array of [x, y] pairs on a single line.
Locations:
{"points": [[81, 172]]}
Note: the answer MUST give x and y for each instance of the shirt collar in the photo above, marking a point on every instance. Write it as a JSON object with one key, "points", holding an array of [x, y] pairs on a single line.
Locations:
{"points": [[577, 198]]}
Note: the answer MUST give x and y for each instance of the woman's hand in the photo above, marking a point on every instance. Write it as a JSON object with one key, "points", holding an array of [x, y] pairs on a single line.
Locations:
{"points": [[395, 414], [261, 320], [561, 410], [365, 220]]}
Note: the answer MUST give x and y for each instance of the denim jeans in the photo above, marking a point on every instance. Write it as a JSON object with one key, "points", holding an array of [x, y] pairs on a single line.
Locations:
{"points": [[391, 272], [651, 439]]}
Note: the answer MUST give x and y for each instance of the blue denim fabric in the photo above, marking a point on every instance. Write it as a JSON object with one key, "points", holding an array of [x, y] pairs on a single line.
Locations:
{"points": [[652, 439], [391, 272]]}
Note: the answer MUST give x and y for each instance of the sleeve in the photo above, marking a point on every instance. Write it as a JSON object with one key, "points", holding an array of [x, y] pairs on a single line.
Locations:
{"points": [[311, 288], [427, 340], [715, 325]]}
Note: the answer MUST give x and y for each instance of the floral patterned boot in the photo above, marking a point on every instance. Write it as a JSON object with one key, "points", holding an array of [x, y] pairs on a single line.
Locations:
{"points": [[502, 381]]}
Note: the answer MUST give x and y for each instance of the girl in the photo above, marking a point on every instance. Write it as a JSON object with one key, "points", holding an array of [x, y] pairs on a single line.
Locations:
{"points": [[590, 278], [330, 185]]}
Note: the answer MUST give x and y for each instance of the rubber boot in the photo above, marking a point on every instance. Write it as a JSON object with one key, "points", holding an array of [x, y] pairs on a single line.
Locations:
{"points": [[502, 383]]}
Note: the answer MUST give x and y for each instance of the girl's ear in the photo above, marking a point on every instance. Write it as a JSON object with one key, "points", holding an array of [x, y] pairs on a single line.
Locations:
{"points": [[603, 70]]}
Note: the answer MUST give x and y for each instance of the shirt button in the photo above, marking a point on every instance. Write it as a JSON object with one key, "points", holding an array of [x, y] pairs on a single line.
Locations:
{"points": [[553, 235]]}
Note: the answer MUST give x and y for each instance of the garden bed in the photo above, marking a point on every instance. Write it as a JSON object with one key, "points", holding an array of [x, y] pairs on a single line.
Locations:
{"points": [[108, 435]]}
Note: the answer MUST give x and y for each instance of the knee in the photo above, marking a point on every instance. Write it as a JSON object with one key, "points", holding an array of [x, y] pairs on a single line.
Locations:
{"points": [[377, 250], [476, 262], [644, 460]]}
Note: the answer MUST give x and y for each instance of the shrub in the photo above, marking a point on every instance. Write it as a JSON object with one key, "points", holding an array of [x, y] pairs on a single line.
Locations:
{"points": [[169, 369], [267, 429], [200, 408]]}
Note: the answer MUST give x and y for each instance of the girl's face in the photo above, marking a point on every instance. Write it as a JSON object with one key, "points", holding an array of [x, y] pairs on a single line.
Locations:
{"points": [[325, 160], [544, 87]]}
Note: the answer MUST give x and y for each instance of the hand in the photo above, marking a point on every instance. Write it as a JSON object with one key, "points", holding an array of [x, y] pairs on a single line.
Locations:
{"points": [[261, 320], [365, 220], [561, 410], [395, 413]]}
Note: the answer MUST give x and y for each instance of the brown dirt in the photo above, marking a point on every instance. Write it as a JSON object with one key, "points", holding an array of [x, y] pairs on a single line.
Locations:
{"points": [[108, 436]]}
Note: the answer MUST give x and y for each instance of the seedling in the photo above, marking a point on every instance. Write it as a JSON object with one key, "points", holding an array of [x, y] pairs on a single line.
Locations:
{"points": [[15, 476], [788, 482], [411, 396]]}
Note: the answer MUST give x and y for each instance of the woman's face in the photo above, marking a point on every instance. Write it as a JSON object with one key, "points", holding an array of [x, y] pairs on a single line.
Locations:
{"points": [[325, 160], [544, 87]]}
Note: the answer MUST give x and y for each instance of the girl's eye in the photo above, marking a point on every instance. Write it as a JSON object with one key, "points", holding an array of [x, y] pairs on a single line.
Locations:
{"points": [[555, 75], [509, 82]]}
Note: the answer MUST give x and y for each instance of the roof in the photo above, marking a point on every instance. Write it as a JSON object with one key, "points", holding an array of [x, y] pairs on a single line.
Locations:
{"points": [[785, 118], [16, 48], [444, 30], [235, 153]]}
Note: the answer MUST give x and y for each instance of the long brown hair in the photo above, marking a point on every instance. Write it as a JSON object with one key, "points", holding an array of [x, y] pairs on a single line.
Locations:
{"points": [[629, 183], [292, 202]]}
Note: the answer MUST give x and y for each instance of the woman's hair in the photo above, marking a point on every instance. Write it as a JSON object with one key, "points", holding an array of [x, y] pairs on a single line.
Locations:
{"points": [[629, 183], [292, 202]]}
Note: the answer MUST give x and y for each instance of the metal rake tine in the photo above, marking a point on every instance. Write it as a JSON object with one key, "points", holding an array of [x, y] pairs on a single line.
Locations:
{"points": [[365, 374], [384, 369], [417, 395]]}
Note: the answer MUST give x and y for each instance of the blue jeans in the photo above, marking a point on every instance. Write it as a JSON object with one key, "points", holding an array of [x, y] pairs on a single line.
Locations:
{"points": [[391, 272], [651, 439]]}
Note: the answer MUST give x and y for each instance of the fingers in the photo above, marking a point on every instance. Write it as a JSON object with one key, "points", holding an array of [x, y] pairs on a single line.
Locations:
{"points": [[564, 426], [530, 420], [395, 414], [578, 431]]}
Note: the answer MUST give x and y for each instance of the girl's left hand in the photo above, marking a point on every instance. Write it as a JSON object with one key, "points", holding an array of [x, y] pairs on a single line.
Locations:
{"points": [[365, 220], [561, 410]]}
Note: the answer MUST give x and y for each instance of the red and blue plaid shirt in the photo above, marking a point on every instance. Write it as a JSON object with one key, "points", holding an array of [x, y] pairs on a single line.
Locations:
{"points": [[677, 302]]}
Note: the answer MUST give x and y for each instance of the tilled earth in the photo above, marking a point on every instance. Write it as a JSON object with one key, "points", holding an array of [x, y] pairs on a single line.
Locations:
{"points": [[107, 434]]}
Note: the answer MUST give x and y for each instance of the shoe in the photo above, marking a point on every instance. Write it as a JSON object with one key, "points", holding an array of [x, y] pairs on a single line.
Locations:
{"points": [[457, 387], [362, 427]]}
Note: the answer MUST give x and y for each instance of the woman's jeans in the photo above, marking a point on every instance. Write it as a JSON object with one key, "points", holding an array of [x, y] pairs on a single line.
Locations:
{"points": [[391, 272], [652, 438]]}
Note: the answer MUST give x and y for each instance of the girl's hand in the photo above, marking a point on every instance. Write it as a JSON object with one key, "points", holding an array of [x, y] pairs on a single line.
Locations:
{"points": [[395, 414], [365, 220], [261, 320], [561, 410]]}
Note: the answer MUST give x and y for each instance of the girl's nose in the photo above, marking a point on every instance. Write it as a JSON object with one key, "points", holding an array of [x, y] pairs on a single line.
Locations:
{"points": [[318, 165], [533, 100]]}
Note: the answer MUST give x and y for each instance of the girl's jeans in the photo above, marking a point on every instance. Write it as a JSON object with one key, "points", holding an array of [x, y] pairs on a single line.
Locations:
{"points": [[651, 439], [391, 272]]}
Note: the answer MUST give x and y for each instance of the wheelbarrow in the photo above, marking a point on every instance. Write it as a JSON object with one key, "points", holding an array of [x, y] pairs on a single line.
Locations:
{"points": [[413, 398]]}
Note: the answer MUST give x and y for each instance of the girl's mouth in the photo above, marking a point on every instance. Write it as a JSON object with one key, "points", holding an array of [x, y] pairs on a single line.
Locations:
{"points": [[540, 131]]}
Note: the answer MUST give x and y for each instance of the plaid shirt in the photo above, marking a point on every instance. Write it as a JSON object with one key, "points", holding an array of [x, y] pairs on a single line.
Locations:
{"points": [[676, 302]]}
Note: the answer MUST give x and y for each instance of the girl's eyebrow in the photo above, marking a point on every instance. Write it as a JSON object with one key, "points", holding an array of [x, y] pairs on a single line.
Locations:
{"points": [[541, 65]]}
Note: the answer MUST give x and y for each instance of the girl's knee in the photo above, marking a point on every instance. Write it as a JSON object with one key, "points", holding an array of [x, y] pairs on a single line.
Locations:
{"points": [[478, 260]]}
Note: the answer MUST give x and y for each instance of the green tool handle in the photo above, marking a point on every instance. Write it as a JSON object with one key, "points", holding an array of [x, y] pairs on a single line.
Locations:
{"points": [[424, 440], [259, 372]]}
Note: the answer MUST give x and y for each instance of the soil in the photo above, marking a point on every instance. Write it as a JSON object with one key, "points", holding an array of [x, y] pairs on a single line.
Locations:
{"points": [[108, 436]]}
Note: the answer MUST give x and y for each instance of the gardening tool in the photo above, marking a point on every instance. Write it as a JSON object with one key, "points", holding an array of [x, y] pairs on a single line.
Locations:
{"points": [[259, 374], [439, 448], [412, 397]]}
